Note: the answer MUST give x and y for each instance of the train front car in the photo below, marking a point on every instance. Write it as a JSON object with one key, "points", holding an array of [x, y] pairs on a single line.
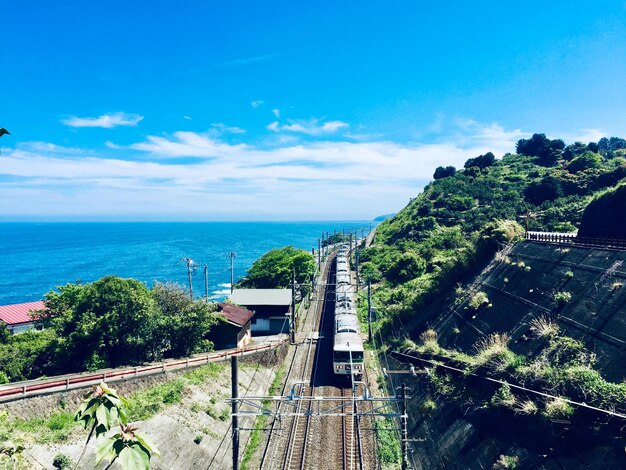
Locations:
{"points": [[348, 347]]}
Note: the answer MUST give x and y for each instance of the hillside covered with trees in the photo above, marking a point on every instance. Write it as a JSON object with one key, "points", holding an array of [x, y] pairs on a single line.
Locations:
{"points": [[464, 215], [451, 290]]}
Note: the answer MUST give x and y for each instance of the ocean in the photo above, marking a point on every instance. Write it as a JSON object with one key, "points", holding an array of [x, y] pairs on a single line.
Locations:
{"points": [[37, 257]]}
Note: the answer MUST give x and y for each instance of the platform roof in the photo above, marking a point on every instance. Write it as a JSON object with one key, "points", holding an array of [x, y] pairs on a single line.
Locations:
{"points": [[261, 297]]}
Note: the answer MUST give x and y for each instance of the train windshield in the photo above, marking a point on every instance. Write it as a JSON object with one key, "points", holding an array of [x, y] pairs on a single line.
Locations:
{"points": [[344, 356]]}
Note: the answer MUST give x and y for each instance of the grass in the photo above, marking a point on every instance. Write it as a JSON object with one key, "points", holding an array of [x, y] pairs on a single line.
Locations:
{"points": [[146, 403], [260, 423], [544, 327], [203, 374], [56, 428], [558, 409], [388, 443]]}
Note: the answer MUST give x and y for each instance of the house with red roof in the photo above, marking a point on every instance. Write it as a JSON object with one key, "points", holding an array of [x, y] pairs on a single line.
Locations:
{"points": [[234, 330], [19, 317]]}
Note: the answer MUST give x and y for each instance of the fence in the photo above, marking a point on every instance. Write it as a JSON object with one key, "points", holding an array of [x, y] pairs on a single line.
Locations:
{"points": [[573, 239], [18, 390]]}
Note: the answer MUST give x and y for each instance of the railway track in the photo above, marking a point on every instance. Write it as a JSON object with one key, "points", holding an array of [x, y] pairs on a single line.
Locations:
{"points": [[294, 453]]}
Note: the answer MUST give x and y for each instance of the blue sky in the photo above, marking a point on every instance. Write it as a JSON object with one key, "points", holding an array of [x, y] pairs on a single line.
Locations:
{"points": [[151, 110]]}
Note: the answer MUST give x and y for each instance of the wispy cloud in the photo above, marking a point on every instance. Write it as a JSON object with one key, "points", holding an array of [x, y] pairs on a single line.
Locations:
{"points": [[185, 173], [256, 104], [223, 128], [311, 127], [106, 121], [276, 113]]}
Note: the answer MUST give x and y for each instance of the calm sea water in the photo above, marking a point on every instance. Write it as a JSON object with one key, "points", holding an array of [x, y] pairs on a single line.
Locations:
{"points": [[37, 257]]}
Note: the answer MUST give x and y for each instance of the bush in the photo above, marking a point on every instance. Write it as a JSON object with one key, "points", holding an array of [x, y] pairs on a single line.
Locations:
{"points": [[562, 297], [584, 162], [62, 461], [478, 299]]}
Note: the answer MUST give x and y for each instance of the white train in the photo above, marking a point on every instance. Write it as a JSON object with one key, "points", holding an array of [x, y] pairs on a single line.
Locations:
{"points": [[348, 344]]}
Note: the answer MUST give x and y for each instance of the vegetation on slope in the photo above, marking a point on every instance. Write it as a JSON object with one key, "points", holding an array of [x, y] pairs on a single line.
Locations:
{"points": [[461, 218], [450, 231]]}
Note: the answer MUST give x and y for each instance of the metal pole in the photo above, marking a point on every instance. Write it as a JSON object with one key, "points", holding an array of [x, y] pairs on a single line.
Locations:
{"points": [[234, 408], [232, 255], [189, 261], [319, 254], [292, 326], [369, 310], [405, 440], [206, 283], [356, 256]]}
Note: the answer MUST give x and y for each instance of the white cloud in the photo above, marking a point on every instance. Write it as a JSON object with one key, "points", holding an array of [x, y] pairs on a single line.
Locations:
{"points": [[188, 118], [106, 121], [256, 104], [234, 181], [310, 127], [276, 113], [583, 135]]}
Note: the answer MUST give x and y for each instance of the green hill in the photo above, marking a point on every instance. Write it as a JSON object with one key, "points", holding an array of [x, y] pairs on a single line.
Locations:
{"points": [[452, 290]]}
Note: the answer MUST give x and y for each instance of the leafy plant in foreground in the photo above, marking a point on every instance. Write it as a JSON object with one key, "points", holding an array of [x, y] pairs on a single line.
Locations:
{"points": [[101, 409], [132, 449]]}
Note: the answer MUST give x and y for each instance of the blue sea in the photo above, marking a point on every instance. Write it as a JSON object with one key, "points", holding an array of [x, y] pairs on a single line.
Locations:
{"points": [[37, 257]]}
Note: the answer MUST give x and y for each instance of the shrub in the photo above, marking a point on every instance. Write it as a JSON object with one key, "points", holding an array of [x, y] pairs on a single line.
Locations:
{"points": [[544, 327], [506, 462], [562, 297], [526, 407], [478, 299], [558, 408], [62, 461], [198, 439], [428, 406], [569, 274]]}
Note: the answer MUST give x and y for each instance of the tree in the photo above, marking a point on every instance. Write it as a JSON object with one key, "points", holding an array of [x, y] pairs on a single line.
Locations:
{"points": [[546, 189], [273, 269], [481, 161], [547, 151], [185, 323], [108, 323], [442, 172], [404, 267], [584, 161]]}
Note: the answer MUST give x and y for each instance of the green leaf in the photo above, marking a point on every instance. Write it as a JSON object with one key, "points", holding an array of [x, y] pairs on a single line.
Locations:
{"points": [[148, 444], [105, 449], [135, 457]]}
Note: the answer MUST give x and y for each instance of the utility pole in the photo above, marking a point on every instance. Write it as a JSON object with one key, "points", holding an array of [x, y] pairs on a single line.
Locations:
{"points": [[234, 409], [206, 283], [405, 434], [319, 254], [369, 310], [356, 256], [189, 262], [292, 323], [232, 255]]}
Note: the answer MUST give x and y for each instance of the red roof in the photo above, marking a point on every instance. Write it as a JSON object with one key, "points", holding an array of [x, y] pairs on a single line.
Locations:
{"points": [[19, 313], [238, 315]]}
